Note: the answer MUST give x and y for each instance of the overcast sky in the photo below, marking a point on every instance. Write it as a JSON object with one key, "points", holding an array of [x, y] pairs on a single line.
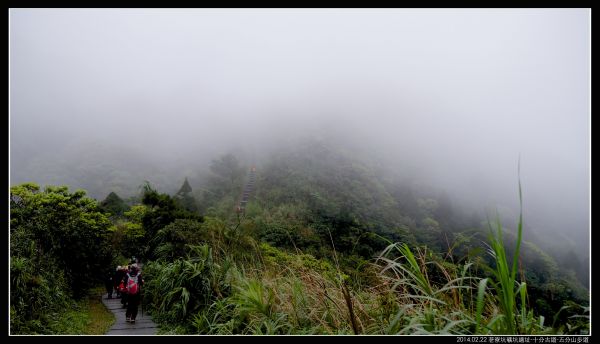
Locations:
{"points": [[456, 94]]}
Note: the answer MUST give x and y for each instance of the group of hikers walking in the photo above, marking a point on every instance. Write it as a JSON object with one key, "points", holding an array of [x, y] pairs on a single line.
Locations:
{"points": [[126, 283]]}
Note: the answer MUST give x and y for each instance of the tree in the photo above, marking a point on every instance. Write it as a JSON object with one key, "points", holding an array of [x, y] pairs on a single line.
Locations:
{"points": [[186, 198], [114, 205], [127, 232], [68, 228], [162, 210], [172, 240], [227, 168]]}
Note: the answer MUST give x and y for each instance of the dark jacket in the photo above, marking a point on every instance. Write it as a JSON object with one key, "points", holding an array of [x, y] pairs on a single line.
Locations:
{"points": [[119, 276]]}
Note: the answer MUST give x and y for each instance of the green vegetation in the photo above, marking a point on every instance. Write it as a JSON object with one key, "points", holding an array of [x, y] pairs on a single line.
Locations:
{"points": [[326, 246], [114, 205], [186, 198], [59, 249], [87, 316]]}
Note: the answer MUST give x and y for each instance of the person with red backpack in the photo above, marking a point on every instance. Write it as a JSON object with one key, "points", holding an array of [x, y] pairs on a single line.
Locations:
{"points": [[118, 278], [122, 286], [133, 283]]}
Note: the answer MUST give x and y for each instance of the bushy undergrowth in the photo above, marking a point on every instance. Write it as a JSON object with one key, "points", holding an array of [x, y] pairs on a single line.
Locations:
{"points": [[410, 291]]}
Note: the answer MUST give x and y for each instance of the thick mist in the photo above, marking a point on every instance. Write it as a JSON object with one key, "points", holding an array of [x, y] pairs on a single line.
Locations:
{"points": [[448, 97]]}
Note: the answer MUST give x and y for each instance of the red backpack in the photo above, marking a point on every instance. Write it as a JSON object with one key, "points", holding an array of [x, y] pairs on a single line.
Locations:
{"points": [[122, 288], [132, 285]]}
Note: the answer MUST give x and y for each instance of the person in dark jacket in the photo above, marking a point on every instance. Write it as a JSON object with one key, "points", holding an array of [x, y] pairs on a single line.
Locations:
{"points": [[133, 298], [109, 284]]}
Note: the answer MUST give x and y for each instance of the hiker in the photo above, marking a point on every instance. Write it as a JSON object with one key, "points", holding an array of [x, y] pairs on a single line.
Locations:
{"points": [[119, 275], [123, 286], [133, 282], [109, 284]]}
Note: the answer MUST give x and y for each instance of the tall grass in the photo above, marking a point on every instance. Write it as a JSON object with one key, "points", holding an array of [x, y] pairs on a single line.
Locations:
{"points": [[426, 307], [505, 284]]}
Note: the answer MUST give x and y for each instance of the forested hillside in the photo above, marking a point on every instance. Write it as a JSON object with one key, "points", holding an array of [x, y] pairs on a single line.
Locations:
{"points": [[327, 244]]}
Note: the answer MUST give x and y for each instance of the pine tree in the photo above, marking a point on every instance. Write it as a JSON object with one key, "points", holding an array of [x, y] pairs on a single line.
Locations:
{"points": [[114, 204], [185, 197]]}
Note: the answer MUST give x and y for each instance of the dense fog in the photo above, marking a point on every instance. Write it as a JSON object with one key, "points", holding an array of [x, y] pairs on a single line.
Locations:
{"points": [[449, 98]]}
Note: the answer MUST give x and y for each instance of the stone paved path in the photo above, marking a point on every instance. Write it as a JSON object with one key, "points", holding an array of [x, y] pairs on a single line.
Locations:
{"points": [[143, 323]]}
